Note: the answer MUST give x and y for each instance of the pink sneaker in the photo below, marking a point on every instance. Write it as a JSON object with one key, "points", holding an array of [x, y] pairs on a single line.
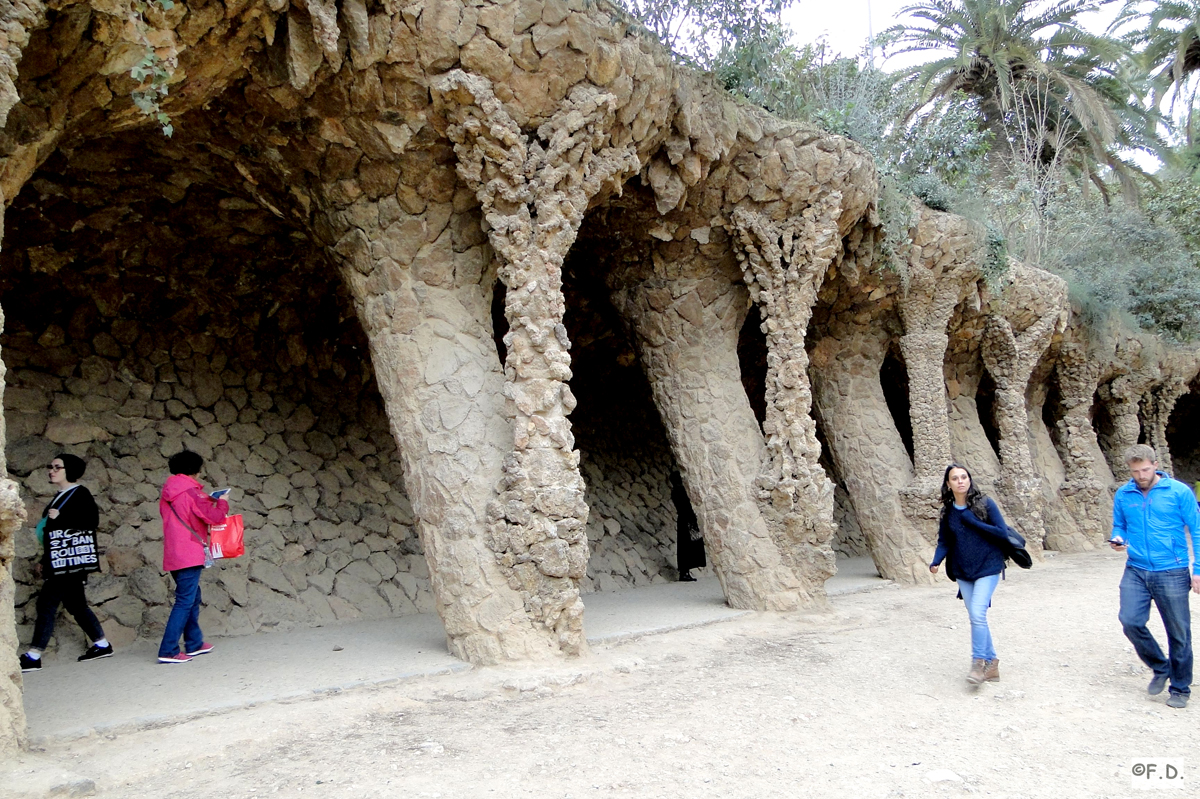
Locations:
{"points": [[180, 658], [204, 649]]}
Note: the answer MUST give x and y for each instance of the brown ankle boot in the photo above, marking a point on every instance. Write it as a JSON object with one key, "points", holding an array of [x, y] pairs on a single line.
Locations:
{"points": [[978, 668], [992, 672]]}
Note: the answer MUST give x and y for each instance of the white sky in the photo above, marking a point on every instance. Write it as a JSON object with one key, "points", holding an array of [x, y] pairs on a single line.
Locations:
{"points": [[846, 24]]}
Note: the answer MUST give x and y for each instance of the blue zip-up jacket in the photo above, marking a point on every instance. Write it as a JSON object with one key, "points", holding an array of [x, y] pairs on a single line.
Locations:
{"points": [[1151, 524]]}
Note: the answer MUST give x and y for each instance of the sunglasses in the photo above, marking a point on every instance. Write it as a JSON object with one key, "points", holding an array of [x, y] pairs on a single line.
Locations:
{"points": [[54, 468]]}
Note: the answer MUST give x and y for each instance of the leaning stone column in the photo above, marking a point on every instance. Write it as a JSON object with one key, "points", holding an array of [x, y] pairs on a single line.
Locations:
{"points": [[1011, 357], [533, 198], [686, 324], [1121, 399], [1085, 489], [422, 287], [12, 516], [868, 450]]}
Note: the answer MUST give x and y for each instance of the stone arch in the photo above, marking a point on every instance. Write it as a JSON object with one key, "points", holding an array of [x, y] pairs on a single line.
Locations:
{"points": [[893, 379], [1183, 435], [625, 455], [752, 357], [147, 331]]}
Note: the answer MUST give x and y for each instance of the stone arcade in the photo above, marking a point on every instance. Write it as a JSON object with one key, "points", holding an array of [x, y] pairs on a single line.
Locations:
{"points": [[392, 245]]}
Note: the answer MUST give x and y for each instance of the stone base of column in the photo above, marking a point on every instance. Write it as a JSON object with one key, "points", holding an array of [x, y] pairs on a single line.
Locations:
{"points": [[1090, 505]]}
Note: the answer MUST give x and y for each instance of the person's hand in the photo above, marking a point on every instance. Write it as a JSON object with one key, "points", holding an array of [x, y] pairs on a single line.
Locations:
{"points": [[53, 514], [932, 569], [1196, 583], [1117, 545]]}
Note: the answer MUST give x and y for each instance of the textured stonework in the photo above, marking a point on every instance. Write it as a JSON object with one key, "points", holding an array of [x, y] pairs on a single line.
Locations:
{"points": [[686, 314], [1031, 310], [943, 268], [12, 515], [450, 187]]}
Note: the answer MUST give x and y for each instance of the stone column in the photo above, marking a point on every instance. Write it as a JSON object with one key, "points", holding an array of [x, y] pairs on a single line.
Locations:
{"points": [[1084, 490], [1121, 399], [12, 516], [1157, 406], [943, 267], [422, 286], [686, 326], [1011, 356], [534, 191], [783, 264], [868, 450]]}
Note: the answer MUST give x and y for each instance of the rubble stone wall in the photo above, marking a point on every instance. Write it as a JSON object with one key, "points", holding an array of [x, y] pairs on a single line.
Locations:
{"points": [[312, 463]]}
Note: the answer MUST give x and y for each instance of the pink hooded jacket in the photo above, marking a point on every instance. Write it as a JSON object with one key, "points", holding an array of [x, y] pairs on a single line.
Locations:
{"points": [[186, 495]]}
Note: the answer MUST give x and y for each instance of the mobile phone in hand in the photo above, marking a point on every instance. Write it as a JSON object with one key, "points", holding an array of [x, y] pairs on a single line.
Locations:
{"points": [[220, 492]]}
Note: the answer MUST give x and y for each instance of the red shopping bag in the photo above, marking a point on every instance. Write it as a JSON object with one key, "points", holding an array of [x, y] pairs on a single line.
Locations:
{"points": [[227, 538]]}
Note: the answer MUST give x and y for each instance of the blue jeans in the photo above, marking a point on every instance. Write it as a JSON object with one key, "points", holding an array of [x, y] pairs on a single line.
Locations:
{"points": [[1169, 590], [977, 596], [185, 615]]}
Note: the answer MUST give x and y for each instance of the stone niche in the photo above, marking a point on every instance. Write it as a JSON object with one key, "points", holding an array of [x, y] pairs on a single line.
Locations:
{"points": [[160, 313], [157, 315], [1183, 434], [625, 458]]}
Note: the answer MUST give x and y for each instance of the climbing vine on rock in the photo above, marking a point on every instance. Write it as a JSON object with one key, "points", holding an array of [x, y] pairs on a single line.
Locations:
{"points": [[152, 72]]}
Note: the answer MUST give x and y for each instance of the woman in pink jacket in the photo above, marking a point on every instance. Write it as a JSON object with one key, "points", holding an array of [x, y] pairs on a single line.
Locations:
{"points": [[186, 513]]}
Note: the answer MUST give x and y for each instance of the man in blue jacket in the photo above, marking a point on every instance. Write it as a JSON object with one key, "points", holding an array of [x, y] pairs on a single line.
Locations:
{"points": [[1150, 513]]}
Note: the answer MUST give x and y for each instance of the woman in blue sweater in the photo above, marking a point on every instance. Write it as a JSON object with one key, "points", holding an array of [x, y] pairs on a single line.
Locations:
{"points": [[971, 535]]}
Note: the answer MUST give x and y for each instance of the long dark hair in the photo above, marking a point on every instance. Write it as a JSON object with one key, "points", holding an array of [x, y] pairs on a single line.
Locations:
{"points": [[976, 499]]}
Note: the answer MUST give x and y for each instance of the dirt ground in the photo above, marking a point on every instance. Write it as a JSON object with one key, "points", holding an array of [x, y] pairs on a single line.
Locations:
{"points": [[865, 700]]}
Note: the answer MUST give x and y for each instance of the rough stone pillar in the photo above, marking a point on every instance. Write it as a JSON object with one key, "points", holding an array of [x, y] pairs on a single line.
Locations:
{"points": [[534, 192], [1065, 530], [924, 359], [1157, 407], [1121, 400], [1078, 373], [12, 516], [686, 327], [943, 266], [868, 450], [422, 285], [1011, 357], [784, 264]]}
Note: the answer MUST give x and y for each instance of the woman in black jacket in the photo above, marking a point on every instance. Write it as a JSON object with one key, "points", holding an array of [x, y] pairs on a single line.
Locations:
{"points": [[971, 539], [66, 569]]}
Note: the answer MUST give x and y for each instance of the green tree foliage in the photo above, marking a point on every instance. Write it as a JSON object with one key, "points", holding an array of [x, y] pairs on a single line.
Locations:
{"points": [[1168, 45], [697, 30], [1120, 260], [1055, 92]]}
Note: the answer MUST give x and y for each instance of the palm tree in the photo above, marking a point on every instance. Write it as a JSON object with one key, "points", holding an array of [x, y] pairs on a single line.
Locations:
{"points": [[1056, 93], [1169, 46]]}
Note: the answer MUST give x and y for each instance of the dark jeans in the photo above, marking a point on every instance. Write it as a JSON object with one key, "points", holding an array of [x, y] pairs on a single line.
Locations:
{"points": [[67, 591], [185, 614], [1169, 590]]}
